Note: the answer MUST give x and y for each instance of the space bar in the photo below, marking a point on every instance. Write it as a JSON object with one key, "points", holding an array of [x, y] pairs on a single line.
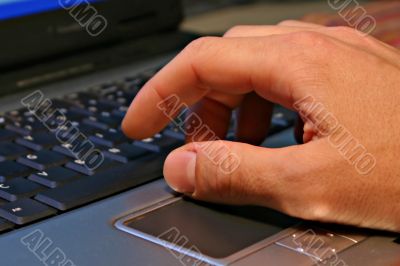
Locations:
{"points": [[103, 184]]}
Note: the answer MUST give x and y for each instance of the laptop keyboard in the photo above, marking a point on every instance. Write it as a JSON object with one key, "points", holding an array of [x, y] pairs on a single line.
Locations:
{"points": [[40, 177]]}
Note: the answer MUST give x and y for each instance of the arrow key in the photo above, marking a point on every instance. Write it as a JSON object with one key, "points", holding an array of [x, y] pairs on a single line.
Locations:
{"points": [[54, 177]]}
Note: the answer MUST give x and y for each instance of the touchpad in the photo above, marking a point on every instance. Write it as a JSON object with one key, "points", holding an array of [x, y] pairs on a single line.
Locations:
{"points": [[214, 230]]}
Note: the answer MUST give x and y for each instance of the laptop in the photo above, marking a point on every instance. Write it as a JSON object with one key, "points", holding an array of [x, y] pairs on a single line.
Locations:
{"points": [[75, 191]]}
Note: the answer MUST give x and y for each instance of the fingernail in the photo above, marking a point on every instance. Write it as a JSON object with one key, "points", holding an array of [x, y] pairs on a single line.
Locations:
{"points": [[180, 170]]}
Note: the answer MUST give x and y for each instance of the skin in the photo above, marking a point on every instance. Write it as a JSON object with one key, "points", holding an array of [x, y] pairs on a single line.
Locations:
{"points": [[355, 77]]}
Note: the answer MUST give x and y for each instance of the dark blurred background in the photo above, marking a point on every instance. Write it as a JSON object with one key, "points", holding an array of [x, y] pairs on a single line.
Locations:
{"points": [[216, 16]]}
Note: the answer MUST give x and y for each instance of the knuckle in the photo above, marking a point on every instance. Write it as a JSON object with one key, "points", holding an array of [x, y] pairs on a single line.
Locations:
{"points": [[199, 44], [199, 52], [235, 31], [354, 34], [287, 22], [358, 36], [344, 30], [309, 39], [349, 33], [309, 51]]}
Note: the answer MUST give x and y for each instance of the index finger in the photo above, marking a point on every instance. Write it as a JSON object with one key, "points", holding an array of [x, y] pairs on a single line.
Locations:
{"points": [[229, 65]]}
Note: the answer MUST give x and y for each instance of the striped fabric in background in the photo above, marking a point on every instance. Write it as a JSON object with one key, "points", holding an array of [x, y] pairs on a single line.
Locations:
{"points": [[386, 14]]}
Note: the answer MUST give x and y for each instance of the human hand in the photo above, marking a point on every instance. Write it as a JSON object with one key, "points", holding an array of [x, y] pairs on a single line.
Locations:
{"points": [[353, 78]]}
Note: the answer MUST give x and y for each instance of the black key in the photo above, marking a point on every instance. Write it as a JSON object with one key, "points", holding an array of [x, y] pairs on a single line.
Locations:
{"points": [[110, 100], [70, 132], [55, 119], [16, 115], [174, 132], [159, 143], [7, 135], [38, 141], [111, 120], [129, 95], [132, 85], [25, 211], [12, 117], [71, 116], [11, 151], [54, 177], [113, 101], [3, 120], [89, 107], [81, 167], [103, 121], [79, 145], [17, 127], [93, 121], [82, 97], [95, 187], [61, 104], [111, 96], [42, 160], [105, 90], [64, 149], [82, 110], [10, 169], [176, 128], [18, 188], [125, 152], [281, 120], [109, 138], [87, 130], [120, 112], [26, 125], [138, 81], [104, 106], [4, 225]]}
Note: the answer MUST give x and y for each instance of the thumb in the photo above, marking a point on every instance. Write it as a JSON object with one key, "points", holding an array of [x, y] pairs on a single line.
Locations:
{"points": [[236, 173]]}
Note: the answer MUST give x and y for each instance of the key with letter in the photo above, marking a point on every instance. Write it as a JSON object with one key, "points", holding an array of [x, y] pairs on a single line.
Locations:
{"points": [[19, 188], [11, 169], [24, 211], [42, 160]]}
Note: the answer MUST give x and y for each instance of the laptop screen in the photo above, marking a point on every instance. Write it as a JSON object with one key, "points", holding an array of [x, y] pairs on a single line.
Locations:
{"points": [[10, 9], [35, 32]]}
